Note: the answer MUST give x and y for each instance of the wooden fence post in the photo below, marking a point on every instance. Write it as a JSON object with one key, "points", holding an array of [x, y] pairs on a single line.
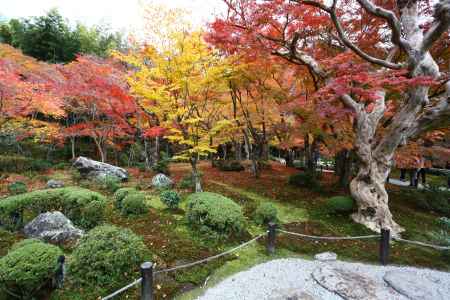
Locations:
{"points": [[384, 246], [147, 281], [271, 235], [59, 275]]}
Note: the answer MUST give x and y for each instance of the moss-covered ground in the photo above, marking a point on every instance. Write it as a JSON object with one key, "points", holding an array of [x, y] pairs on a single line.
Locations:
{"points": [[172, 242]]}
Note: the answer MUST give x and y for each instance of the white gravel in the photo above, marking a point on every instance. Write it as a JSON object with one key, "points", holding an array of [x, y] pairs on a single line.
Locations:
{"points": [[284, 278]]}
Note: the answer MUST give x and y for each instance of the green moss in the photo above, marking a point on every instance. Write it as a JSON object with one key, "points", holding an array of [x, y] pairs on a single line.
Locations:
{"points": [[287, 212]]}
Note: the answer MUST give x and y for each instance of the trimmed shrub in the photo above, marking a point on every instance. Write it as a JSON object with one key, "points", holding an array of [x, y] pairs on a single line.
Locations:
{"points": [[134, 204], [305, 180], [432, 198], [28, 268], [214, 213], [109, 183], [107, 256], [24, 243], [228, 165], [120, 194], [71, 201], [266, 212], [17, 188], [18, 164], [170, 198], [340, 205]]}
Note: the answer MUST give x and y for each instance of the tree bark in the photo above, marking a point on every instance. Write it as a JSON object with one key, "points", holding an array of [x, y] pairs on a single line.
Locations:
{"points": [[343, 168], [196, 175], [72, 142]]}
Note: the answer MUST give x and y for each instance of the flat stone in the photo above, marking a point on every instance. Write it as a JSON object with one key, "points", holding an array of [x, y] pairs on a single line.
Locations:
{"points": [[54, 184], [326, 256], [53, 227], [347, 284], [416, 287]]}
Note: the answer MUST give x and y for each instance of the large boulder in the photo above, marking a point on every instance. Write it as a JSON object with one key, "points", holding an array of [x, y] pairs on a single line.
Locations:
{"points": [[53, 227], [161, 181], [92, 168]]}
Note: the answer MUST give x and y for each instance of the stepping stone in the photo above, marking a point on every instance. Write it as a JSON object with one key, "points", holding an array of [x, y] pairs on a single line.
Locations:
{"points": [[326, 256], [347, 284], [416, 287]]}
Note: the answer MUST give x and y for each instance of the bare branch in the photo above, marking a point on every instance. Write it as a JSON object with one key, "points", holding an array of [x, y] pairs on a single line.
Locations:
{"points": [[391, 19], [441, 23], [337, 24]]}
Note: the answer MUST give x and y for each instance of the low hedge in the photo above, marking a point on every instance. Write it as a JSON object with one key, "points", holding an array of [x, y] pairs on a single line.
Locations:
{"points": [[266, 212], [228, 165], [29, 267], [106, 257], [305, 180], [84, 207], [214, 213], [170, 198], [17, 164], [120, 194], [17, 188], [134, 204], [340, 205]]}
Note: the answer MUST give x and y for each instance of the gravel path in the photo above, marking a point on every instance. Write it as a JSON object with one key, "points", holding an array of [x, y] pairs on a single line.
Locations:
{"points": [[294, 279]]}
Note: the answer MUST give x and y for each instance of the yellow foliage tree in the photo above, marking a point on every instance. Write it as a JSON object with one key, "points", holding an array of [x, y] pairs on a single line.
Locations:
{"points": [[184, 86]]}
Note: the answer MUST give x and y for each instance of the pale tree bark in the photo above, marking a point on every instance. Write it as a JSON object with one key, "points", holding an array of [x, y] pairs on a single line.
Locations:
{"points": [[196, 175], [416, 114]]}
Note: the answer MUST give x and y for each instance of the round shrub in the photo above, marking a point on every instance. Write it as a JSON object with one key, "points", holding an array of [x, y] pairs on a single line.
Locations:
{"points": [[71, 201], [24, 243], [106, 256], [92, 214], [265, 213], [340, 204], [215, 213], [170, 198], [120, 194], [134, 204], [305, 180], [109, 183], [28, 268], [17, 188]]}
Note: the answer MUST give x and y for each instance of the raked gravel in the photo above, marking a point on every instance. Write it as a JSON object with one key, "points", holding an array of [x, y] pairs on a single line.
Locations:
{"points": [[285, 278]]}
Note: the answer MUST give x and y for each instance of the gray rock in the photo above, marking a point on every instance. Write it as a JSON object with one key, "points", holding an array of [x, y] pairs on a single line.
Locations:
{"points": [[92, 168], [326, 256], [54, 184], [415, 286], [347, 284], [53, 227], [161, 181]]}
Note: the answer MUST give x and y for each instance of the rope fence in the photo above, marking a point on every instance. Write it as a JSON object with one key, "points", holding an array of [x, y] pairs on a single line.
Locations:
{"points": [[147, 272]]}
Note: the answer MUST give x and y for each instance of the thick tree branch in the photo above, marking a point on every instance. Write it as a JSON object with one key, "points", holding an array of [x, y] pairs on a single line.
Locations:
{"points": [[337, 24], [441, 23], [391, 19]]}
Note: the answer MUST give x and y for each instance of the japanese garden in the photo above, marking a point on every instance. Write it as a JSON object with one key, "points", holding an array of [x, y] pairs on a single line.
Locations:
{"points": [[279, 149]]}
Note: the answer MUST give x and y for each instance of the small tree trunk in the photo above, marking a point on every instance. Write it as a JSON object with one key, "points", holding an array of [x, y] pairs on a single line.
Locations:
{"points": [[196, 176], [344, 163], [238, 150], [72, 142]]}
